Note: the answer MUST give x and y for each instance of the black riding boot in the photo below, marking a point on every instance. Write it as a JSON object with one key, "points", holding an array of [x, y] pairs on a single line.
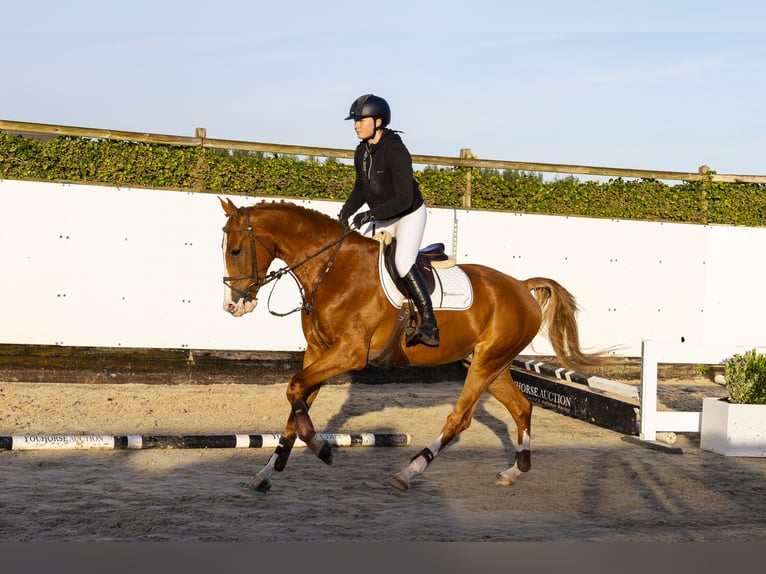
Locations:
{"points": [[427, 332]]}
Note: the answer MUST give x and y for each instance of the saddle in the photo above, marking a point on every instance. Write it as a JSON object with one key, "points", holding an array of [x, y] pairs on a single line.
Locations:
{"points": [[428, 257]]}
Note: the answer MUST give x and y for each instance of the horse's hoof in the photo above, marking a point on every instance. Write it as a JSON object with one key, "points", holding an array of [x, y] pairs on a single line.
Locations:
{"points": [[399, 482], [325, 453], [260, 484], [503, 480]]}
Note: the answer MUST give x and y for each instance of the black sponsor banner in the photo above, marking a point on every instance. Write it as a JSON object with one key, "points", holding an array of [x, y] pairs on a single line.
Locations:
{"points": [[579, 403]]}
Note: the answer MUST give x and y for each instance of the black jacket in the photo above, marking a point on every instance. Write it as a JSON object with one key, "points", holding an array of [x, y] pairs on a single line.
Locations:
{"points": [[383, 179]]}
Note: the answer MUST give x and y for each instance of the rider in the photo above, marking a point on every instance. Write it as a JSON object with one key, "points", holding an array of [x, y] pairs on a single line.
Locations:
{"points": [[384, 182]]}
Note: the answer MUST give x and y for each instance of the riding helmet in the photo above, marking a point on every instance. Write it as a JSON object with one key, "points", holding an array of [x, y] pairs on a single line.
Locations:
{"points": [[370, 106]]}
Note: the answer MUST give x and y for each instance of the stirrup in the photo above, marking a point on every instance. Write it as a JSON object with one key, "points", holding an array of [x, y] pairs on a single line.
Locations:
{"points": [[415, 336]]}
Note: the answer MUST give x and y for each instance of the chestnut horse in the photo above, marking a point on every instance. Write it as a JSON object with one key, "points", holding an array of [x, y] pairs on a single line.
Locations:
{"points": [[347, 319]]}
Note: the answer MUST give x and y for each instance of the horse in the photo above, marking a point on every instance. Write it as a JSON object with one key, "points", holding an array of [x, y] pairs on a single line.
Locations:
{"points": [[347, 320]]}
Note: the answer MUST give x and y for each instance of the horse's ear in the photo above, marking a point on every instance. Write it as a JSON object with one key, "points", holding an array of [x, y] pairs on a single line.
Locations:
{"points": [[228, 206]]}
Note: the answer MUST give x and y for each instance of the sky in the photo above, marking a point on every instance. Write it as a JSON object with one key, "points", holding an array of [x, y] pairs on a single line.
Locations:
{"points": [[652, 84]]}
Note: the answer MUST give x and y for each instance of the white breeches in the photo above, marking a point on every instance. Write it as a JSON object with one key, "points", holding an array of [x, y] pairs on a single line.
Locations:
{"points": [[408, 231]]}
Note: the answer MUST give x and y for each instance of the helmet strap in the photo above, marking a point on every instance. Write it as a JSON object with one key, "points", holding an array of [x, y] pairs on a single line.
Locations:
{"points": [[375, 129]]}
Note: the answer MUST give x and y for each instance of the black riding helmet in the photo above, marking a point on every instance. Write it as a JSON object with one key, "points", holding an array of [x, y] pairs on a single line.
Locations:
{"points": [[370, 106]]}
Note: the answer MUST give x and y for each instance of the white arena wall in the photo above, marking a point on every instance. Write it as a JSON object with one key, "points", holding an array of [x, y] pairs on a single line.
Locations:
{"points": [[86, 265]]}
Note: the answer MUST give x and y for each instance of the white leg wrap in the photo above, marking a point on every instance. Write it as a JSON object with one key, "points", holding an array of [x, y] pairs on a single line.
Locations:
{"points": [[419, 464], [268, 470], [525, 442], [262, 480], [401, 480], [509, 476], [435, 446]]}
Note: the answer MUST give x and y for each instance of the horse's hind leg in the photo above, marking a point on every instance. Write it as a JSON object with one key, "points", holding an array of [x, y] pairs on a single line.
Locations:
{"points": [[458, 420], [505, 390]]}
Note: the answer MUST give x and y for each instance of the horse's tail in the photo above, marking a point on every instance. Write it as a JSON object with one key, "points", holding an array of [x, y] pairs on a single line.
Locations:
{"points": [[559, 324]]}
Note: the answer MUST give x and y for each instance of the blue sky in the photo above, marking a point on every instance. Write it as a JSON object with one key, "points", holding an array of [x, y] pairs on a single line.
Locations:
{"points": [[666, 85]]}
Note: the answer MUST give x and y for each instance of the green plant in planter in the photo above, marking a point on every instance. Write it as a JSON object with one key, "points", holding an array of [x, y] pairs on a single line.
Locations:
{"points": [[746, 378]]}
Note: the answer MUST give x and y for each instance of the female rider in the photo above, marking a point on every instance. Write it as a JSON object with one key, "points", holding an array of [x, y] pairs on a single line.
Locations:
{"points": [[384, 182]]}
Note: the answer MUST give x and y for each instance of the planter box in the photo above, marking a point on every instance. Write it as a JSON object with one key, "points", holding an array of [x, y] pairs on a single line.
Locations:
{"points": [[731, 429]]}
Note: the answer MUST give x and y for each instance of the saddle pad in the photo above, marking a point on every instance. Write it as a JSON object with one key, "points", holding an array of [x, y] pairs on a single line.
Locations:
{"points": [[452, 292]]}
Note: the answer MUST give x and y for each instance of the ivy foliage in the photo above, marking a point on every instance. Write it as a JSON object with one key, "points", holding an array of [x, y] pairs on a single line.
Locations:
{"points": [[160, 166]]}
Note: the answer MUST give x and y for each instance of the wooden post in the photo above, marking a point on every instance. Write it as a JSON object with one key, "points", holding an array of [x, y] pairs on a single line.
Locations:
{"points": [[465, 153], [201, 169], [704, 186]]}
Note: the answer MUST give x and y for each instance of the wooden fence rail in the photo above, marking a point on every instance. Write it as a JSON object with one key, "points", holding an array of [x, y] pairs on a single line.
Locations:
{"points": [[466, 159]]}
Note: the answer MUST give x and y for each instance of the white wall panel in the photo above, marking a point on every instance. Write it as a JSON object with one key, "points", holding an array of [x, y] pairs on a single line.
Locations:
{"points": [[735, 287], [102, 266]]}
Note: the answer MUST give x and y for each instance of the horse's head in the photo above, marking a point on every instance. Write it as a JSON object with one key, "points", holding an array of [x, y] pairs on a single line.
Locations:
{"points": [[246, 259]]}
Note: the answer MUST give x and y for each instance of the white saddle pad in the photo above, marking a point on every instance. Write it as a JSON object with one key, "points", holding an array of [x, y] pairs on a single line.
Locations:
{"points": [[452, 292]]}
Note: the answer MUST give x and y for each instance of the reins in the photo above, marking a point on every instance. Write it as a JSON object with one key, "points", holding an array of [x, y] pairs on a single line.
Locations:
{"points": [[306, 304]]}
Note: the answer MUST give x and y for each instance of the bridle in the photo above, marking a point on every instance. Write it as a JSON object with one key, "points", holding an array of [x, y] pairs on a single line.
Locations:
{"points": [[257, 282]]}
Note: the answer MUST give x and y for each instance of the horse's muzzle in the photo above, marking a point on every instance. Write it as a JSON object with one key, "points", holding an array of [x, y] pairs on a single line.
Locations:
{"points": [[241, 307]]}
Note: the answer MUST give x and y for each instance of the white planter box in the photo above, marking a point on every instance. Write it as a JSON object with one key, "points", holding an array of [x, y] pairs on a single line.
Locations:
{"points": [[731, 429]]}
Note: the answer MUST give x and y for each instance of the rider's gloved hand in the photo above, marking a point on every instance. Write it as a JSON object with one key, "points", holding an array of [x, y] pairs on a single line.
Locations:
{"points": [[343, 218], [362, 218]]}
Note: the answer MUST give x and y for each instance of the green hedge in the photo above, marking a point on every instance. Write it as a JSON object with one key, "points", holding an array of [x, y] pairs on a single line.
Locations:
{"points": [[131, 164], [746, 378]]}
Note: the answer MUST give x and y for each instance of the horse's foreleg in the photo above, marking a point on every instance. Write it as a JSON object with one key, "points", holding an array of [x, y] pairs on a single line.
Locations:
{"points": [[506, 391], [301, 392], [278, 460], [307, 434]]}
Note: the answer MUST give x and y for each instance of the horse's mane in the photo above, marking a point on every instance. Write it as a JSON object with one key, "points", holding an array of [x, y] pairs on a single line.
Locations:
{"points": [[321, 222]]}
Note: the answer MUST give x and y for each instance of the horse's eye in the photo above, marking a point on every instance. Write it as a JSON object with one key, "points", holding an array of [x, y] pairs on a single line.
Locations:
{"points": [[236, 252]]}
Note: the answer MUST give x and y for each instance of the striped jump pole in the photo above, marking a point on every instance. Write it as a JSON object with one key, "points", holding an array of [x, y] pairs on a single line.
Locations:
{"points": [[592, 381], [141, 442]]}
